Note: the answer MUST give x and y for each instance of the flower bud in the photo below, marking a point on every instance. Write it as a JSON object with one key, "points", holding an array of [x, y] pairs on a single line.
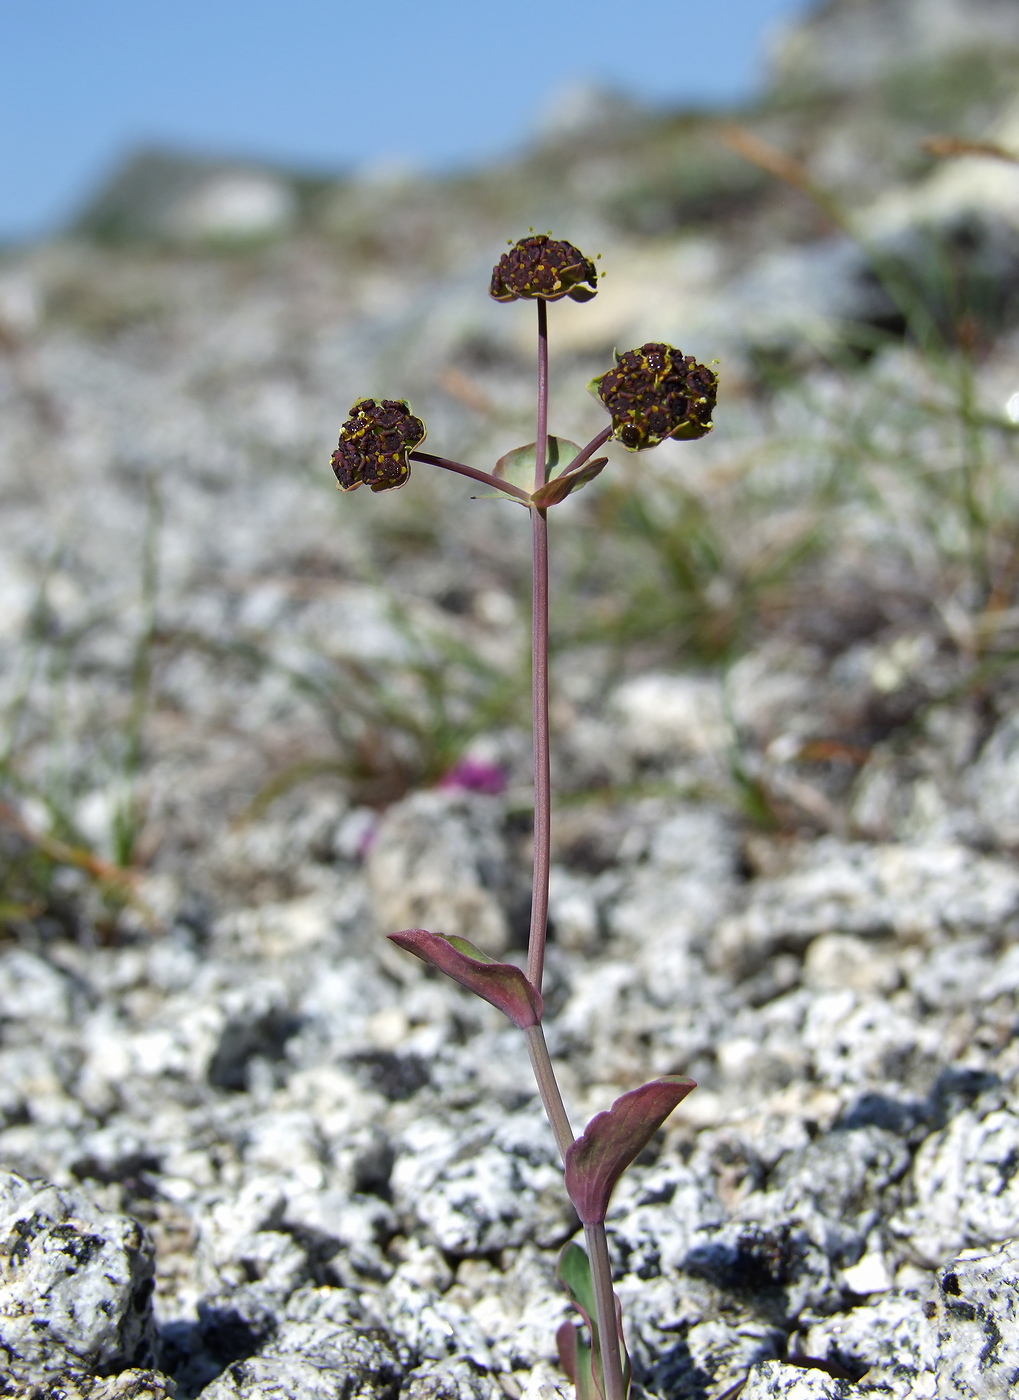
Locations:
{"points": [[655, 393], [543, 268], [374, 443]]}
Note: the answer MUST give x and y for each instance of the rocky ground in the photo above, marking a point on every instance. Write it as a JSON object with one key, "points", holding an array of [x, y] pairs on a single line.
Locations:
{"points": [[252, 1150]]}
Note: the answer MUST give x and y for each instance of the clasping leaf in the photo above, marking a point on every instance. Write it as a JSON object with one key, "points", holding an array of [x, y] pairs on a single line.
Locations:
{"points": [[518, 466], [598, 1158], [502, 984], [560, 487]]}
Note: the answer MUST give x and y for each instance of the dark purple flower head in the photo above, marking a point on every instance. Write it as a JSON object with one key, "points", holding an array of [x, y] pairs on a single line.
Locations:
{"points": [[374, 443], [543, 268], [655, 393]]}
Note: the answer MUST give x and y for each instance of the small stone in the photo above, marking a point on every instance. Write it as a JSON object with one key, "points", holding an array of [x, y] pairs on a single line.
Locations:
{"points": [[75, 1283], [965, 1185], [775, 1380], [494, 1188], [458, 1379], [883, 1339], [317, 1353], [993, 782], [672, 716], [974, 1324], [713, 1356]]}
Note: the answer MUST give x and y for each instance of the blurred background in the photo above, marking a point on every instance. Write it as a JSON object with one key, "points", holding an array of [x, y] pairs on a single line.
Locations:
{"points": [[324, 89], [222, 224]]}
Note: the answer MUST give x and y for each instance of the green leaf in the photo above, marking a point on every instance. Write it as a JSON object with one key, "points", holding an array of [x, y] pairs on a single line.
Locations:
{"points": [[501, 984], [518, 466], [574, 1272], [560, 487], [596, 1161]]}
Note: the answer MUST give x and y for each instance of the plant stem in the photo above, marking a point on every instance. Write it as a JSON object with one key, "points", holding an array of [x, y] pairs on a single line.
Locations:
{"points": [[588, 451], [539, 679], [475, 473], [549, 1089], [541, 441], [542, 767], [605, 1311], [597, 1246]]}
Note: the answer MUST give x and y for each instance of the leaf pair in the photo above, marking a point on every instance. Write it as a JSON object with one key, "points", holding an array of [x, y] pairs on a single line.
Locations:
{"points": [[517, 467], [611, 1141], [594, 1162]]}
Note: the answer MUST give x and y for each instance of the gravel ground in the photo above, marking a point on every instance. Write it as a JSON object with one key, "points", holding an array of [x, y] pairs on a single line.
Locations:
{"points": [[251, 1150]]}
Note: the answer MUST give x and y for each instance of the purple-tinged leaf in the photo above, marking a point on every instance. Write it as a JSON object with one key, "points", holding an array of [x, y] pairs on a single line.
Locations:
{"points": [[611, 1141], [575, 1359], [560, 487], [502, 984]]}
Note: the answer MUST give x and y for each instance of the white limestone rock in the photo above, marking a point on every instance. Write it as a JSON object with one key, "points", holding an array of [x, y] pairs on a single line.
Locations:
{"points": [[672, 716], [918, 892], [713, 1356], [75, 1283], [474, 1189], [882, 1341], [965, 1187], [776, 1380], [993, 782], [456, 1379], [319, 1352], [973, 1345]]}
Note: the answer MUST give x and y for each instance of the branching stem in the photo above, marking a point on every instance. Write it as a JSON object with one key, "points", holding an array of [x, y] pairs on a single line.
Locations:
{"points": [[475, 473], [587, 452]]}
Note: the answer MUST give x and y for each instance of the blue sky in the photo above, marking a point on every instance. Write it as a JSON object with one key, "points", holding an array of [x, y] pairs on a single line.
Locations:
{"points": [[327, 84]]}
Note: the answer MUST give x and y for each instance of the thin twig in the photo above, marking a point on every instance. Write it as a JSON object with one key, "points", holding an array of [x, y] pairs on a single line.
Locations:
{"points": [[586, 452], [475, 473]]}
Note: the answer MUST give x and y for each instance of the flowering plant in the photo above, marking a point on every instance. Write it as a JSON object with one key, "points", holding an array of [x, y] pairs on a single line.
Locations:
{"points": [[652, 393]]}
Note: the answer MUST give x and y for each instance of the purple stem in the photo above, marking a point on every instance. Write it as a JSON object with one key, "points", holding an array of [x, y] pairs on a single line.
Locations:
{"points": [[541, 446], [475, 473], [539, 679], [586, 452], [605, 1310], [548, 1088], [598, 1253]]}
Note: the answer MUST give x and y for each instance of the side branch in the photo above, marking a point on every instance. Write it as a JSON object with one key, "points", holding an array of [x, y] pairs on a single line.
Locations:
{"points": [[475, 473]]}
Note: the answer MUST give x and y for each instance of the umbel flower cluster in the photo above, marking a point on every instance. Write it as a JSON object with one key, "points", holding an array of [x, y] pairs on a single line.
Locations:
{"points": [[545, 267], [374, 443], [656, 393], [651, 393]]}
